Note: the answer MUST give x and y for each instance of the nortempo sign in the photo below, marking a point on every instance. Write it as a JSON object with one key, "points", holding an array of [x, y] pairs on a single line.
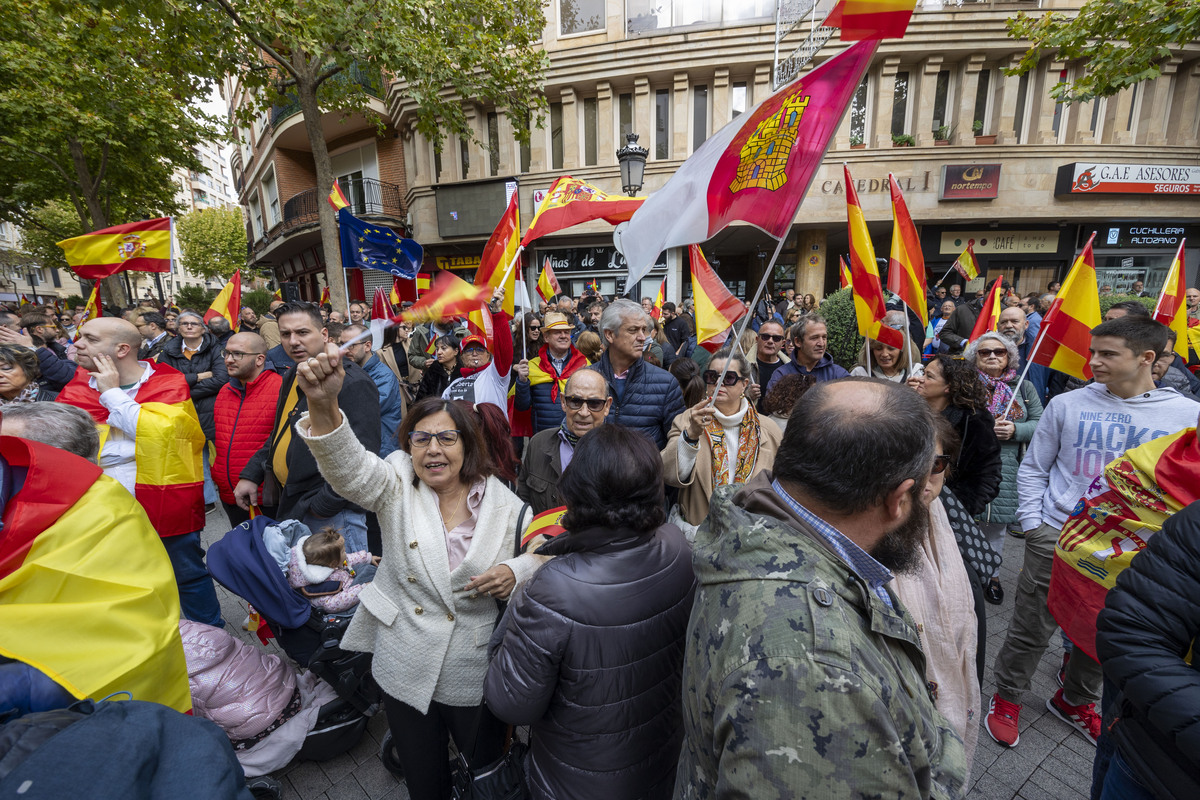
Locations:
{"points": [[970, 182], [1090, 177]]}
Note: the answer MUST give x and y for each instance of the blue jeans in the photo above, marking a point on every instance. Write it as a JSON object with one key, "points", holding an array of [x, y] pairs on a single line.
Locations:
{"points": [[351, 524], [210, 488], [1120, 783], [197, 595]]}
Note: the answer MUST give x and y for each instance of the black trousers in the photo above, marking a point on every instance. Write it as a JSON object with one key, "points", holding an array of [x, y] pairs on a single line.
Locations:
{"points": [[421, 742], [235, 513]]}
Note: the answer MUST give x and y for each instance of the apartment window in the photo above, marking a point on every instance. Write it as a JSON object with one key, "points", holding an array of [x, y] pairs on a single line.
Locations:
{"points": [[662, 123], [1056, 124], [982, 93], [625, 115], [256, 220], [941, 93], [580, 16], [1098, 105], [437, 164], [699, 116], [739, 99], [493, 127], [1022, 93], [1134, 106], [464, 156], [858, 114], [900, 104], [591, 123], [525, 149], [271, 195], [556, 136], [55, 278]]}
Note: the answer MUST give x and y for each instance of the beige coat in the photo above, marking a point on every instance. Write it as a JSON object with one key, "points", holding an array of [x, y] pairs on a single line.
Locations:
{"points": [[429, 636], [695, 492]]}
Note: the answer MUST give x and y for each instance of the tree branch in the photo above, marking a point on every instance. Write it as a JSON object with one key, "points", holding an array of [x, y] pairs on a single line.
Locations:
{"points": [[327, 74], [101, 168], [229, 10]]}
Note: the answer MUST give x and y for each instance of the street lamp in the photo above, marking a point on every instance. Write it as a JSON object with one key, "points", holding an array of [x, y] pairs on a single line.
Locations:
{"points": [[632, 159]]}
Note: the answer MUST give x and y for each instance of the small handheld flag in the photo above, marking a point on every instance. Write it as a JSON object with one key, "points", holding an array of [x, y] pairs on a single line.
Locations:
{"points": [[547, 285], [989, 317], [228, 303], [656, 312], [93, 308], [1065, 337], [966, 264], [337, 198], [325, 295], [716, 308], [547, 523]]}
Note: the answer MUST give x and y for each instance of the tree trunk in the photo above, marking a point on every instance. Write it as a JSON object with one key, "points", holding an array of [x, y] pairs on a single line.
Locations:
{"points": [[90, 192], [330, 244]]}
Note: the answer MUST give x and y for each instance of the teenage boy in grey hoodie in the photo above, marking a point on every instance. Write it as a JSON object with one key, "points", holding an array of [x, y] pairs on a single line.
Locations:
{"points": [[1079, 433]]}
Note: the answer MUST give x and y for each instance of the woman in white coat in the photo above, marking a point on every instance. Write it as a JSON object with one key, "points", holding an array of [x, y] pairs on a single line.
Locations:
{"points": [[448, 529]]}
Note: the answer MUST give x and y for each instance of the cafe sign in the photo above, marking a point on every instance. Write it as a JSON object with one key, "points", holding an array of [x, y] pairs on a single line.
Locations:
{"points": [[970, 182], [1091, 177], [999, 242]]}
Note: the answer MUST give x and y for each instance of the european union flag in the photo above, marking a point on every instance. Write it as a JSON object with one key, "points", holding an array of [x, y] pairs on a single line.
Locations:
{"points": [[375, 247]]}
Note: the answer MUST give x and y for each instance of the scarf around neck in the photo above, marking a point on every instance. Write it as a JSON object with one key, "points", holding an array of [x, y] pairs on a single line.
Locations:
{"points": [[747, 452], [1000, 393]]}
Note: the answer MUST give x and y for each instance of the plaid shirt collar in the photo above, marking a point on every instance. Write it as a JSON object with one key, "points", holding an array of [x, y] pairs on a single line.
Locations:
{"points": [[860, 561]]}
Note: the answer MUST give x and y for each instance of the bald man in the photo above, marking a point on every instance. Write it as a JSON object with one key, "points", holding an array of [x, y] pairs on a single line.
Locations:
{"points": [[151, 444]]}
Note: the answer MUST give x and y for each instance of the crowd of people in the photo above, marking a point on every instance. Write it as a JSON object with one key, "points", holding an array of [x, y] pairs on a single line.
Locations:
{"points": [[771, 577]]}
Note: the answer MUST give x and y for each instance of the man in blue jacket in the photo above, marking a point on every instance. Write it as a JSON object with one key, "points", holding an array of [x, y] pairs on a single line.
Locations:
{"points": [[391, 401], [548, 373], [811, 337]]}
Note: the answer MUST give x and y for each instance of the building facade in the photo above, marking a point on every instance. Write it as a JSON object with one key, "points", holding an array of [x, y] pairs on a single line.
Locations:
{"points": [[980, 155], [22, 276]]}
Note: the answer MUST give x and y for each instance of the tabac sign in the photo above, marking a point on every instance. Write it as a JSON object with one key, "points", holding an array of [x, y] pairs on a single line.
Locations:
{"points": [[1091, 177], [970, 182]]}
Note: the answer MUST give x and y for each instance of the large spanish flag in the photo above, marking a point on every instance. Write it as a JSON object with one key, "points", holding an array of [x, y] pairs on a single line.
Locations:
{"points": [[871, 19], [140, 246], [572, 201], [548, 524], [989, 316], [450, 296], [1112, 524], [906, 267], [168, 447], [1065, 338], [716, 308], [87, 593], [869, 305], [1171, 309], [228, 303], [498, 255]]}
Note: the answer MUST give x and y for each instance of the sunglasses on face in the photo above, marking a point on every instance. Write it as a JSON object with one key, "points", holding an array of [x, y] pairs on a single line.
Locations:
{"points": [[594, 404], [771, 337], [711, 376], [423, 438], [985, 353], [940, 463]]}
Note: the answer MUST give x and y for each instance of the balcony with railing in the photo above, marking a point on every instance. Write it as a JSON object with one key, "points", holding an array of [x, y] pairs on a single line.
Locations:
{"points": [[368, 197], [370, 80]]}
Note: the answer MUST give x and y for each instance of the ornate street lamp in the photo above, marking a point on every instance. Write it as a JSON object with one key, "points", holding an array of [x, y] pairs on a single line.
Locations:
{"points": [[632, 160]]}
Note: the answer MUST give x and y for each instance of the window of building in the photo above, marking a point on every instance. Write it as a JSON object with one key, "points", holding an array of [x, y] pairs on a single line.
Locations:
{"points": [[1057, 123], [983, 93], [256, 220], [1099, 105], [526, 156], [464, 157], [625, 116], [646, 16], [900, 104], [556, 136], [493, 128], [696, 12], [270, 194], [662, 123], [1019, 117], [941, 94], [699, 115], [580, 16], [1135, 106], [858, 113], [437, 164], [739, 98], [591, 124]]}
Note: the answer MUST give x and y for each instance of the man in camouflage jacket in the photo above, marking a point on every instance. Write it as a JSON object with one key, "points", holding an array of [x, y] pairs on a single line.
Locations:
{"points": [[803, 675]]}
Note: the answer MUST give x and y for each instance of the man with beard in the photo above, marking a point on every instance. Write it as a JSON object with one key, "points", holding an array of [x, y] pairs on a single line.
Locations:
{"points": [[1014, 326], [803, 675]]}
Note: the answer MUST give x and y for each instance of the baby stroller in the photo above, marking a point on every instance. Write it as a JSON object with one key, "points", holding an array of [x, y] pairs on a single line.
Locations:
{"points": [[242, 563]]}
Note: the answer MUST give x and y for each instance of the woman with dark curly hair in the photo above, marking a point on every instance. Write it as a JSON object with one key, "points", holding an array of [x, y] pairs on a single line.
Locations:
{"points": [[783, 396], [591, 649], [953, 389], [19, 376]]}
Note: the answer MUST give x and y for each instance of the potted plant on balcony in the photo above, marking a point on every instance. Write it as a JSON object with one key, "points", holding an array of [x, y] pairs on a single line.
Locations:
{"points": [[941, 136], [977, 127], [903, 140], [856, 143]]}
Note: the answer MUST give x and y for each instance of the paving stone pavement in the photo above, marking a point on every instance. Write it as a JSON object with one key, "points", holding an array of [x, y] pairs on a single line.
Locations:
{"points": [[1052, 761]]}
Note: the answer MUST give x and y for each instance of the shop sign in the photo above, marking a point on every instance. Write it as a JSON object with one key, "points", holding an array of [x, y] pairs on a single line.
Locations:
{"points": [[458, 262], [919, 182], [1090, 177], [1146, 234], [970, 182], [999, 242], [570, 260]]}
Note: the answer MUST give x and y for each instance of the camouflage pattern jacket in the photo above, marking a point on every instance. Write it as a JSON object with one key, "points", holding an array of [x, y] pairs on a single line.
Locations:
{"points": [[798, 681]]}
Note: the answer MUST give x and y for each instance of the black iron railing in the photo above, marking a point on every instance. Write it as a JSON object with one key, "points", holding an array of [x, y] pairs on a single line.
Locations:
{"points": [[371, 81], [367, 197]]}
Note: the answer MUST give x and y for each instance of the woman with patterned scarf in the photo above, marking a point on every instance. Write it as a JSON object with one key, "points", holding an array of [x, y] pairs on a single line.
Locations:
{"points": [[719, 444], [996, 359]]}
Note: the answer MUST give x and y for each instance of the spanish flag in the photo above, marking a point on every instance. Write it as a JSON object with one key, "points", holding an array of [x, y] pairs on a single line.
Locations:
{"points": [[450, 296], [547, 523], [716, 309], [659, 299], [844, 278], [966, 264], [871, 19], [140, 246], [93, 308], [87, 593], [498, 255], [1067, 326], [571, 201], [337, 198], [989, 316], [906, 267], [869, 306], [325, 295], [228, 303], [547, 285], [1171, 309]]}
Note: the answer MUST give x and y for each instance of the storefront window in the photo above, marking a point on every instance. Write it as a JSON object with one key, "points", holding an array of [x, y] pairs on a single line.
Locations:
{"points": [[580, 16], [625, 110]]}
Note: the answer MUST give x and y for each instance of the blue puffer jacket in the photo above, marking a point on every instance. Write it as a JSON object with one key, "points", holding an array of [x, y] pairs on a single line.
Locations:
{"points": [[649, 401]]}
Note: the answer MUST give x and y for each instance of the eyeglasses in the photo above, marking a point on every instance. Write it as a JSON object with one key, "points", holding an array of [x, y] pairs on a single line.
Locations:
{"points": [[594, 404], [238, 356], [1000, 352], [422, 438], [191, 324], [940, 463], [771, 337], [711, 376]]}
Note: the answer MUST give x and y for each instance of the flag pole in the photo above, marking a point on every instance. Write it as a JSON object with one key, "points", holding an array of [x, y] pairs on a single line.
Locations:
{"points": [[870, 374], [1028, 363], [907, 349], [939, 283]]}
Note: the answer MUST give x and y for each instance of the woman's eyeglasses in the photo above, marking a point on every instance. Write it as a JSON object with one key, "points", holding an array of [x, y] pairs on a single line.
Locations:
{"points": [[939, 465], [985, 353], [711, 376], [422, 438], [535, 327], [594, 404]]}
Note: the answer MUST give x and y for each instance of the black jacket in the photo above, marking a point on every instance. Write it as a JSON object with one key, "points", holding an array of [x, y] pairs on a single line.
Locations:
{"points": [[306, 491], [1149, 623], [956, 330], [590, 653], [435, 380], [541, 467], [649, 401], [204, 392], [975, 479]]}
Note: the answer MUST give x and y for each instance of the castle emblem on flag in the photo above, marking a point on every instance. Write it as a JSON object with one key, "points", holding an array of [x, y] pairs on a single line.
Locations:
{"points": [[764, 157], [130, 246]]}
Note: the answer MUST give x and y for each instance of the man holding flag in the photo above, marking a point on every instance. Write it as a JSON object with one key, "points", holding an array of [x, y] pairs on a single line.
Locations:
{"points": [[548, 373]]}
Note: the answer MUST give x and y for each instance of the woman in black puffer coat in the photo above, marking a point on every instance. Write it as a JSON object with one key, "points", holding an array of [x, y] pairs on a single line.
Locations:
{"points": [[207, 360], [590, 652], [1149, 625]]}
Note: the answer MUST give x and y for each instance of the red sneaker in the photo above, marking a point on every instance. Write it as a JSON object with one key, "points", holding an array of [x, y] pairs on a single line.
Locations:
{"points": [[1082, 718], [1002, 718]]}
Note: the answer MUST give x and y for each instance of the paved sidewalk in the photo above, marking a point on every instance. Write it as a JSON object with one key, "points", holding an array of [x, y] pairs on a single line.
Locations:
{"points": [[1052, 762]]}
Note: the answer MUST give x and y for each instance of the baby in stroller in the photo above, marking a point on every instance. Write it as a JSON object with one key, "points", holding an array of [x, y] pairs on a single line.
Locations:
{"points": [[325, 574]]}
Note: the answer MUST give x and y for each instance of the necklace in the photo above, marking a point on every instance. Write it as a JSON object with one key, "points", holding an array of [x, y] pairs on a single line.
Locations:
{"points": [[454, 511]]}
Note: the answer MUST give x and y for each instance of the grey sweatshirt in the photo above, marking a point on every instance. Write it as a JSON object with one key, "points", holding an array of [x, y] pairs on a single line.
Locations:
{"points": [[1079, 434]]}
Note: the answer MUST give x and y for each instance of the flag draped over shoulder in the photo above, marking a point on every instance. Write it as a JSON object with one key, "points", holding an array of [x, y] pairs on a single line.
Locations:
{"points": [[450, 296], [228, 303], [869, 304], [756, 169], [906, 267], [498, 255], [989, 316], [1067, 326], [140, 246], [1171, 309], [1113, 522], [966, 264], [572, 201], [367, 246], [716, 309], [547, 285], [85, 583]]}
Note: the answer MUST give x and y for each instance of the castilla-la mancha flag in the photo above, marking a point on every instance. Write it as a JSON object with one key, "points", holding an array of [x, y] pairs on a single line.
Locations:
{"points": [[756, 169], [143, 246]]}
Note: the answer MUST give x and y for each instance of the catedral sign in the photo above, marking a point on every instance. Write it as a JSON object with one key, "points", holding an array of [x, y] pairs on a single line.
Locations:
{"points": [[1090, 177]]}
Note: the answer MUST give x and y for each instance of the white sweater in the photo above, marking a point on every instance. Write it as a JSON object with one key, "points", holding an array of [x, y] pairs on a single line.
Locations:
{"points": [[428, 636]]}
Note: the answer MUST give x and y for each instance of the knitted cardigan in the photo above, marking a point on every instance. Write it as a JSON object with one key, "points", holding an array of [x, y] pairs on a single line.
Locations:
{"points": [[429, 636]]}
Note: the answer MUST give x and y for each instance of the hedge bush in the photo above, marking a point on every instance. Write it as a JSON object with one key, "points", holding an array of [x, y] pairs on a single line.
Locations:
{"points": [[844, 341]]}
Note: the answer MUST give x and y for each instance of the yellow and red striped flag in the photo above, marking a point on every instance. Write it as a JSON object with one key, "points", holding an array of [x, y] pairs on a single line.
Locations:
{"points": [[966, 264], [661, 298], [716, 309], [844, 278], [277, 295], [498, 254], [228, 303], [140, 246], [906, 267], [337, 198], [572, 201], [325, 295], [547, 285], [548, 524], [394, 295], [869, 305], [1171, 309], [1067, 326], [450, 296], [871, 19], [93, 308], [989, 316]]}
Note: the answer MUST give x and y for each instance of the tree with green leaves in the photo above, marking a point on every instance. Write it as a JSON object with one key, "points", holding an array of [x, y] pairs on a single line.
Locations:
{"points": [[98, 105], [212, 242], [1121, 42], [442, 54]]}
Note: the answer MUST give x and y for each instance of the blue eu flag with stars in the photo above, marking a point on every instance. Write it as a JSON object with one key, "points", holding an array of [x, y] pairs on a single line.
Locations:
{"points": [[369, 246]]}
